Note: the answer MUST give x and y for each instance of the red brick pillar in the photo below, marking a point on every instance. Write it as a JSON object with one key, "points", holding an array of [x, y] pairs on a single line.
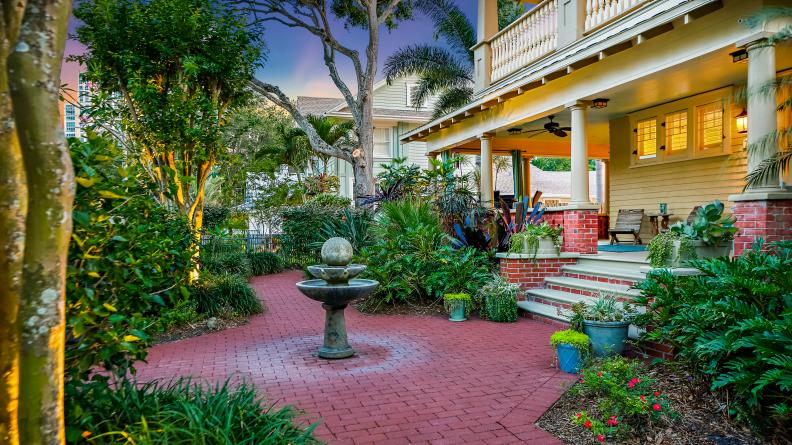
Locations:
{"points": [[580, 230], [770, 219]]}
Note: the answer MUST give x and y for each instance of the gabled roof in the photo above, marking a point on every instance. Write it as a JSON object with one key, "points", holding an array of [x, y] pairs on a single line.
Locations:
{"points": [[317, 105]]}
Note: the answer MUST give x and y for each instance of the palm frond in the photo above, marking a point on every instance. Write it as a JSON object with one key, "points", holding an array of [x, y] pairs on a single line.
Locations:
{"points": [[451, 24], [509, 11], [421, 59], [434, 82], [452, 99], [769, 169], [770, 14], [766, 90]]}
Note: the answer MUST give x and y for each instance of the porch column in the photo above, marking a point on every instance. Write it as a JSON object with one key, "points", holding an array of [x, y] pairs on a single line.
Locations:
{"points": [[579, 154], [606, 187], [526, 176], [487, 26], [764, 211], [485, 188], [517, 174]]}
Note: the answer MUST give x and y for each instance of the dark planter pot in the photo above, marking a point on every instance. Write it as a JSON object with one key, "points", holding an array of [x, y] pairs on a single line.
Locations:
{"points": [[608, 338], [568, 358]]}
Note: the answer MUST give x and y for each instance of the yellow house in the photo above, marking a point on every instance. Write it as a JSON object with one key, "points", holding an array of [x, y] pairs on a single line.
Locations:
{"points": [[646, 86]]}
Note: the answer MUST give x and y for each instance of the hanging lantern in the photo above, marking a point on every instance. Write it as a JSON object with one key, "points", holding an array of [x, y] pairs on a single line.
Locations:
{"points": [[742, 122]]}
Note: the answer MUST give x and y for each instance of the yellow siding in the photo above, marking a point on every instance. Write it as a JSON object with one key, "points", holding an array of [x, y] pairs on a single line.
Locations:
{"points": [[683, 184]]}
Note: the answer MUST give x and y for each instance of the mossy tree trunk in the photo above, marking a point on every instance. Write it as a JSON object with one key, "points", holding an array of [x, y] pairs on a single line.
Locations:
{"points": [[33, 74], [13, 207]]}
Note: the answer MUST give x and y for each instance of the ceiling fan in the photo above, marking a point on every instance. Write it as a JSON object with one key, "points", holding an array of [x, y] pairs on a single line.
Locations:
{"points": [[550, 127]]}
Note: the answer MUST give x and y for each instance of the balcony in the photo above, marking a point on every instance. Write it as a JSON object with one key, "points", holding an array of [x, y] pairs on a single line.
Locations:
{"points": [[527, 39]]}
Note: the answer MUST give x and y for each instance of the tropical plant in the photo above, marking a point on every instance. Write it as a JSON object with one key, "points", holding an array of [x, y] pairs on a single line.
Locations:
{"points": [[606, 308], [452, 302], [352, 225], [224, 293], [321, 184], [400, 180], [301, 225], [499, 299], [733, 324], [530, 236], [627, 399], [179, 412], [446, 71], [169, 100], [227, 262], [331, 131], [471, 235], [450, 192], [571, 337], [129, 262], [767, 172], [710, 225], [661, 249]]}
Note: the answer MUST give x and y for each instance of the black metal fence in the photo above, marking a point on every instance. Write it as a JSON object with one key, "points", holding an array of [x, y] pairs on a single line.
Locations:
{"points": [[293, 254]]}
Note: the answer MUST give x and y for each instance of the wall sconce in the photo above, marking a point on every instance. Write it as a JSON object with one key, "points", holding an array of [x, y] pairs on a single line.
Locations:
{"points": [[599, 102], [742, 122], [741, 55]]}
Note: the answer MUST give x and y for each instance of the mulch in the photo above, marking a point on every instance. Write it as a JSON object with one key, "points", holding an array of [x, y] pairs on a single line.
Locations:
{"points": [[427, 310], [200, 327], [701, 420]]}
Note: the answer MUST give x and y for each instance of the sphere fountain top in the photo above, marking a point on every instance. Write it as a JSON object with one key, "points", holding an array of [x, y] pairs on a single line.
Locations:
{"points": [[337, 251]]}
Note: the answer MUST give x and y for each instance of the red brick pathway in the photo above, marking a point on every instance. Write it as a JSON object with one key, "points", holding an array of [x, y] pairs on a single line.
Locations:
{"points": [[414, 379]]}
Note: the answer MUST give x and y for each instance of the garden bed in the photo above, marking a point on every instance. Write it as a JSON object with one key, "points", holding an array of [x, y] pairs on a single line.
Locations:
{"points": [[199, 328], [701, 418], [430, 310]]}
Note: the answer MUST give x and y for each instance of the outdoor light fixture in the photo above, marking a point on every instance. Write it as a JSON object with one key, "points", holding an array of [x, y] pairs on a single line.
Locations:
{"points": [[600, 102], [742, 122], [741, 55]]}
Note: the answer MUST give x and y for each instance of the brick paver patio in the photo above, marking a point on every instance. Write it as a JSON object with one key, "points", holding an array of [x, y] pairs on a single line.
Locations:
{"points": [[414, 379]]}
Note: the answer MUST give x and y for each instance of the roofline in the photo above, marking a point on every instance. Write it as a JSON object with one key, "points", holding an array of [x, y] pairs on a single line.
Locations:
{"points": [[346, 114], [343, 103]]}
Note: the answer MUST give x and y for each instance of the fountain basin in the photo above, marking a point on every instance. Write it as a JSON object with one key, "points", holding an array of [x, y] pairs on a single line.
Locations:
{"points": [[337, 295], [336, 274]]}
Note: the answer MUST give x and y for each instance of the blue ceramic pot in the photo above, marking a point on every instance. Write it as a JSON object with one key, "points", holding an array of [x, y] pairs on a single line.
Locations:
{"points": [[458, 313], [608, 338], [568, 358]]}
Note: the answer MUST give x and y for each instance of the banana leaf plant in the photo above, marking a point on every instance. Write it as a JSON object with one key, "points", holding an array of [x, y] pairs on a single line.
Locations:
{"points": [[470, 236], [516, 223]]}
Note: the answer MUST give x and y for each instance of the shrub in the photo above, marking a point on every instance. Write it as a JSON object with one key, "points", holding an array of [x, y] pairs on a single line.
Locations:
{"points": [[302, 237], [180, 412], [225, 292], [237, 263], [733, 324], [215, 216], [500, 299], [627, 399], [413, 260], [352, 225], [129, 261], [264, 263], [578, 340]]}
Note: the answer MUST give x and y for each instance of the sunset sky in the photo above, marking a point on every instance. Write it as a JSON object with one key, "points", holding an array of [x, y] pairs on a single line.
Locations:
{"points": [[294, 59]]}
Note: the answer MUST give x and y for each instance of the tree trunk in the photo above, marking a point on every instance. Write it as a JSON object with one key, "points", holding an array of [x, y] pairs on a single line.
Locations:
{"points": [[13, 207], [34, 78], [362, 168]]}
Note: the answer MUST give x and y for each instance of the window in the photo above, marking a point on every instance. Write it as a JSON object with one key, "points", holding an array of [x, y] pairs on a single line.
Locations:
{"points": [[676, 132], [382, 142], [709, 126], [646, 138]]}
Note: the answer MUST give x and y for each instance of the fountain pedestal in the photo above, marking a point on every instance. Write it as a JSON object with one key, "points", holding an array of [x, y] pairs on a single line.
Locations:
{"points": [[335, 344], [336, 288]]}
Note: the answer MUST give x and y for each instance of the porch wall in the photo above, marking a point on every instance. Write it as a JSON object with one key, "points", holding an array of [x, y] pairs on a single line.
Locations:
{"points": [[683, 184]]}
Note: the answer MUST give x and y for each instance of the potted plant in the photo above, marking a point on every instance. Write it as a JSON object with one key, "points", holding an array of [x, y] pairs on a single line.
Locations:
{"points": [[457, 305], [708, 235], [571, 348], [535, 239], [499, 300], [606, 322]]}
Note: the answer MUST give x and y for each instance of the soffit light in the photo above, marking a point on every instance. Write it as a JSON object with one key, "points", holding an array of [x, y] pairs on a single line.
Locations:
{"points": [[742, 122], [600, 102]]}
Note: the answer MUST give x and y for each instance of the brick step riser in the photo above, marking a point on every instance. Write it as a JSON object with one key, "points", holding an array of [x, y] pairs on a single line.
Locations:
{"points": [[600, 279], [594, 294]]}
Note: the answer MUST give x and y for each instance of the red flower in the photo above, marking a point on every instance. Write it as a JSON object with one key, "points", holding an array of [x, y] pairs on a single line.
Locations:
{"points": [[613, 421], [601, 438], [656, 407], [599, 374], [579, 415], [587, 424], [657, 393], [643, 398]]}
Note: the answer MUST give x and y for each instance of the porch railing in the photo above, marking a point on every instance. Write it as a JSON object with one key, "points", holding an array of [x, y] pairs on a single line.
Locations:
{"points": [[526, 39], [602, 11]]}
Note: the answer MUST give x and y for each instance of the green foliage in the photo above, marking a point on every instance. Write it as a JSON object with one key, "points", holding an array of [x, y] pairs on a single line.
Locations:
{"points": [[236, 263], [558, 164], [413, 260], [452, 302], [302, 237], [627, 399], [450, 192], [129, 260], [709, 225], [661, 250], [607, 308], [578, 340], [733, 324], [179, 412], [321, 184], [399, 180], [218, 294], [352, 225], [500, 299], [182, 313], [216, 216], [531, 235], [330, 200], [265, 263]]}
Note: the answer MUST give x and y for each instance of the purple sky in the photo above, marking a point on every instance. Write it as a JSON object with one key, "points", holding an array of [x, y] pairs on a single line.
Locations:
{"points": [[294, 60]]}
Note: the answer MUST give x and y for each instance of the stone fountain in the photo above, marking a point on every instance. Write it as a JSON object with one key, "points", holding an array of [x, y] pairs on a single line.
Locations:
{"points": [[335, 287]]}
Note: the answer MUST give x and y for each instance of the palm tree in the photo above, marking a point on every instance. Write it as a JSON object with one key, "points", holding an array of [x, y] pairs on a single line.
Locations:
{"points": [[447, 72], [502, 164], [780, 141], [291, 148], [330, 130]]}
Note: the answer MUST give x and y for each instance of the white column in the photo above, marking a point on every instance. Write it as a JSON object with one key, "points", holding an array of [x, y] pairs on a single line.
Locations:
{"points": [[579, 155], [761, 106], [487, 26], [485, 186]]}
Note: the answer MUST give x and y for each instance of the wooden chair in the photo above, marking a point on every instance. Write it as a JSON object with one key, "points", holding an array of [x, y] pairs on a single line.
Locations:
{"points": [[628, 222]]}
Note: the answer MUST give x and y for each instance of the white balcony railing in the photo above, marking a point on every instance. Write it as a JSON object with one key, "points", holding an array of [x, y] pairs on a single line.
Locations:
{"points": [[526, 39], [602, 11]]}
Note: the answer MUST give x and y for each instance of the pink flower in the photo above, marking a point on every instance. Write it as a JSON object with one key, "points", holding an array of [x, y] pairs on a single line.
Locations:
{"points": [[656, 407], [601, 438], [657, 393], [587, 424], [613, 421], [633, 382], [579, 415]]}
